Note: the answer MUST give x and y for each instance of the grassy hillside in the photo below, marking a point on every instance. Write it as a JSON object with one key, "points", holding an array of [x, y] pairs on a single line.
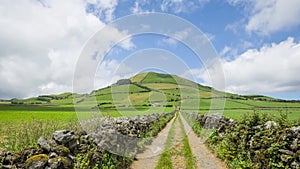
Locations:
{"points": [[150, 92]]}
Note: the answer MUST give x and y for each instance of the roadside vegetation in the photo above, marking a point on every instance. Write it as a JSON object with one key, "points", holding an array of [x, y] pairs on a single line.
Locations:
{"points": [[258, 140], [88, 151], [14, 137]]}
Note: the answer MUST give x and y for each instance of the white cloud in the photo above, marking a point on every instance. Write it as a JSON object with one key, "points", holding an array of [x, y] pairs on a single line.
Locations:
{"points": [[40, 44], [246, 44], [270, 69], [176, 37], [110, 71], [185, 35], [137, 7], [104, 9], [127, 44], [194, 74], [271, 17], [94, 52], [179, 6], [53, 87], [225, 50], [237, 2], [168, 41], [230, 53], [266, 17]]}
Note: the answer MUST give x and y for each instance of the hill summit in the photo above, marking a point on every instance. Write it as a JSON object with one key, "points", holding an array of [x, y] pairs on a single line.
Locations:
{"points": [[149, 90]]}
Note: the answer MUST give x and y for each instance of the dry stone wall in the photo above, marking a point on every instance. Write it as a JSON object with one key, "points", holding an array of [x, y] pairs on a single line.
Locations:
{"points": [[119, 135], [254, 142]]}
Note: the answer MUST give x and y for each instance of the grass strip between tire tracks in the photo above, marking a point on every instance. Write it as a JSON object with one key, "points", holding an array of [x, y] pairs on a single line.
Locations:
{"points": [[190, 159], [165, 158]]}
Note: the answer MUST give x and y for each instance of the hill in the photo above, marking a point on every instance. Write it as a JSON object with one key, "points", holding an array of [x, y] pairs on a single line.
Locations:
{"points": [[155, 92]]}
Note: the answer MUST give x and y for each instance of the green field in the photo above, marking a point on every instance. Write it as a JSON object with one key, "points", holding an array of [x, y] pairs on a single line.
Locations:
{"points": [[237, 108], [148, 93], [16, 113]]}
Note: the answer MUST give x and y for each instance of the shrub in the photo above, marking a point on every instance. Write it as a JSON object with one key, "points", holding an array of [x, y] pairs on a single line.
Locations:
{"points": [[251, 144]]}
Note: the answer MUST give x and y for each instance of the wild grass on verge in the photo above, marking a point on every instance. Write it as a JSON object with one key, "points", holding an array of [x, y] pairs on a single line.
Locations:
{"points": [[15, 136], [165, 158], [106, 161], [190, 159], [158, 126], [191, 120]]}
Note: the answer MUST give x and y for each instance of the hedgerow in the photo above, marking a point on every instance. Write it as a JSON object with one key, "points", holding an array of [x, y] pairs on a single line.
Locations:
{"points": [[259, 141]]}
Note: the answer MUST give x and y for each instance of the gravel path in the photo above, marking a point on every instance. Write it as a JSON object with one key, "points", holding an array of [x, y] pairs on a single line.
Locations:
{"points": [[178, 159], [204, 158], [149, 158]]}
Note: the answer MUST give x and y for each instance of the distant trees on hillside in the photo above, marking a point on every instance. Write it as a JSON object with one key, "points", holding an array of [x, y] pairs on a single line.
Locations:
{"points": [[123, 82]]}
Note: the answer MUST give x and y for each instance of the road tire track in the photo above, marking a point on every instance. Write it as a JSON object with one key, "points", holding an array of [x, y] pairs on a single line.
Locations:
{"points": [[205, 159], [150, 156]]}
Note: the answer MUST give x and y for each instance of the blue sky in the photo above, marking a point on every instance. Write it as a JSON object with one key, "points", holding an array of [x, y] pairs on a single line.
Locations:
{"points": [[257, 43]]}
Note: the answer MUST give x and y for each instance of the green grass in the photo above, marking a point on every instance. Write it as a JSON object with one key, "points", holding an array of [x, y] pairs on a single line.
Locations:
{"points": [[165, 160], [15, 135], [131, 88], [236, 108], [21, 125], [233, 109], [293, 114], [16, 117], [35, 108], [129, 112], [153, 77], [138, 78], [190, 159], [268, 103], [67, 101], [161, 86], [161, 78], [18, 113]]}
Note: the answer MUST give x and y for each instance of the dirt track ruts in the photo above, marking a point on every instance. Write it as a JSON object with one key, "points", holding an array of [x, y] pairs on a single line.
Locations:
{"points": [[149, 158], [205, 159]]}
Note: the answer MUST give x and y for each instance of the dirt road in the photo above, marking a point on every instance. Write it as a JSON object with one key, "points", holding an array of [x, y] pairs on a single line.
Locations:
{"points": [[204, 159]]}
